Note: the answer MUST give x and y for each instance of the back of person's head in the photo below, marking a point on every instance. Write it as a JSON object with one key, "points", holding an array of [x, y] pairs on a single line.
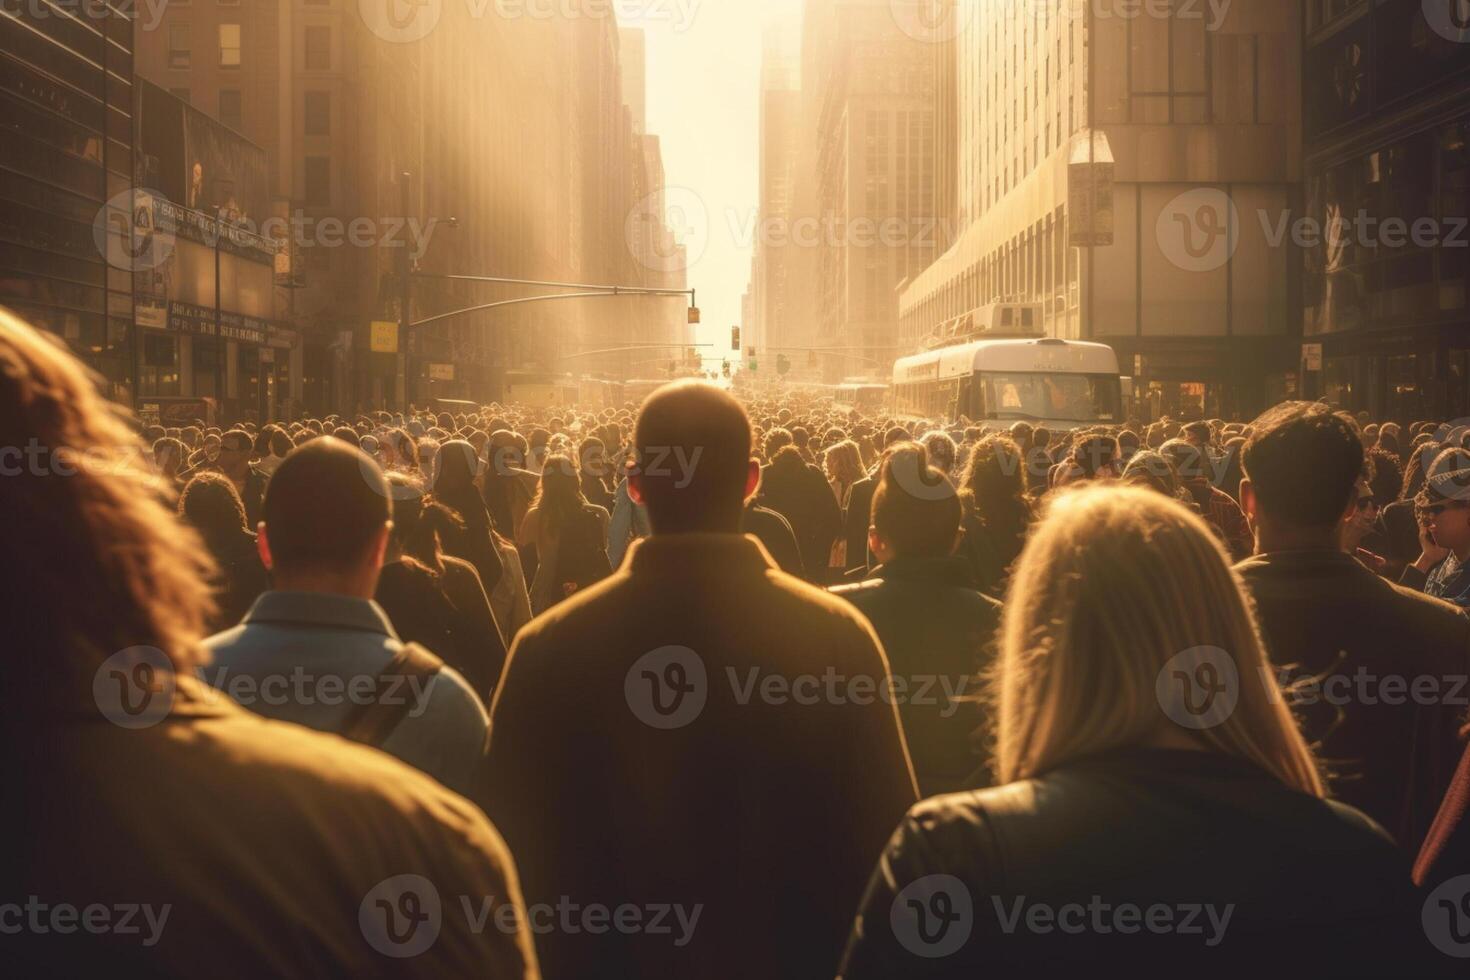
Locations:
{"points": [[1303, 464], [776, 440], [1190, 461], [916, 510], [98, 562], [1152, 469], [692, 463], [1118, 602], [941, 449], [1096, 455], [211, 504], [1198, 432], [895, 435], [325, 508], [280, 443], [347, 435]]}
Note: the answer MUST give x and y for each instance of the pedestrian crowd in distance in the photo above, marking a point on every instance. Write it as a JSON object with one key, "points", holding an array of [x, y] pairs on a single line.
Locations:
{"points": [[709, 689]]}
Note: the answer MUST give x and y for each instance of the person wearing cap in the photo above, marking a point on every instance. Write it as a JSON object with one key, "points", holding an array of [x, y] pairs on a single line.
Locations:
{"points": [[1443, 509]]}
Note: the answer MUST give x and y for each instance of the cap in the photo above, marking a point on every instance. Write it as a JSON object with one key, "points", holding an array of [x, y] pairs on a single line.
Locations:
{"points": [[1448, 478]]}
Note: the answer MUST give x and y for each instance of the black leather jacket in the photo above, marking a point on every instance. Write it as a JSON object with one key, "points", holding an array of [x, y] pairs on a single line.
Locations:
{"points": [[1163, 862]]}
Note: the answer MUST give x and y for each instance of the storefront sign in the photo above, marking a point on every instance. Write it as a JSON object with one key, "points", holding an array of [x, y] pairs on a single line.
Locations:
{"points": [[441, 372], [1312, 357], [188, 318]]}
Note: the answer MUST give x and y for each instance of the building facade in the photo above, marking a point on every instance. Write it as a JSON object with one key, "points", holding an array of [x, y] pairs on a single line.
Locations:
{"points": [[774, 312], [1385, 321], [541, 181], [66, 110], [868, 72], [1127, 167]]}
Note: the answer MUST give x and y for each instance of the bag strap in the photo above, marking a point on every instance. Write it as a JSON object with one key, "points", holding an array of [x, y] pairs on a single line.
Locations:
{"points": [[373, 722]]}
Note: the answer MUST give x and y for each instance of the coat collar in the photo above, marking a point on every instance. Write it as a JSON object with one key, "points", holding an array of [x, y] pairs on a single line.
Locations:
{"points": [[683, 554]]}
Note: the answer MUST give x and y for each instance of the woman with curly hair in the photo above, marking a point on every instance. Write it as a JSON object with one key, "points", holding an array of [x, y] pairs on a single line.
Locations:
{"points": [[213, 507], [998, 514]]}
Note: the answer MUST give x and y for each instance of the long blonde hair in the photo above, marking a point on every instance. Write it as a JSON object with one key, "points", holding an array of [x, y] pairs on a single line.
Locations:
{"points": [[1116, 585]]}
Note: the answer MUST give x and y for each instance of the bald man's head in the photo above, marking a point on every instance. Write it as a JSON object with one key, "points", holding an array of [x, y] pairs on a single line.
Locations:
{"points": [[692, 465]]}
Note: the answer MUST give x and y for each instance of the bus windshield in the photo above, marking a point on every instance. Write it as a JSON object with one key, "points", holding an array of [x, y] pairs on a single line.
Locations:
{"points": [[1018, 396]]}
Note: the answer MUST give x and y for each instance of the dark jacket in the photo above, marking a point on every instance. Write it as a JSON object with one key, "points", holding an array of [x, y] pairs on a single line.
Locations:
{"points": [[774, 533], [989, 555], [1446, 851], [857, 519], [938, 631], [448, 613], [1030, 879], [1325, 616], [1449, 580], [242, 577], [798, 492], [639, 755]]}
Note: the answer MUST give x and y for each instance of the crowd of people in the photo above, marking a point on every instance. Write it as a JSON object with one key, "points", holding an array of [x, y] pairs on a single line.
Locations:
{"points": [[710, 689]]}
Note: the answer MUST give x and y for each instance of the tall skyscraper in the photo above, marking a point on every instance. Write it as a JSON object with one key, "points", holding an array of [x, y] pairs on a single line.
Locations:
{"points": [[1155, 143], [66, 96]]}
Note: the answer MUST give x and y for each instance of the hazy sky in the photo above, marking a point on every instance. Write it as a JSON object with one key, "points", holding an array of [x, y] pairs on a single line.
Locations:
{"points": [[703, 102]]}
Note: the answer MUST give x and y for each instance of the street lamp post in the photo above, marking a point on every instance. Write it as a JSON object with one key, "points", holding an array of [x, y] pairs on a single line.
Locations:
{"points": [[219, 351]]}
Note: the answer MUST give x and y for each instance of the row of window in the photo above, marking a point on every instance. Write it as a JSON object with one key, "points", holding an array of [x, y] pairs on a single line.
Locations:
{"points": [[317, 115], [317, 47]]}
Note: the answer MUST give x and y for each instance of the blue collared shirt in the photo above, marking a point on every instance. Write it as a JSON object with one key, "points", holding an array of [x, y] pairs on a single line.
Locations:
{"points": [[312, 658]]}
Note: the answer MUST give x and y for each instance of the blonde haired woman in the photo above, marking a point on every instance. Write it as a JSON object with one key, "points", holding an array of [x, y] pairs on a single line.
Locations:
{"points": [[1155, 805]]}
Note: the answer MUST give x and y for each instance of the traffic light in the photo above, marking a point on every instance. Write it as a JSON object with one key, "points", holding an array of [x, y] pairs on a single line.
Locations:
{"points": [[735, 339], [725, 368], [693, 314]]}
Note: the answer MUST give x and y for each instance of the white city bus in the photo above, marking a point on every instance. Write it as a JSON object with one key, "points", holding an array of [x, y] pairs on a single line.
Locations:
{"points": [[1062, 384], [861, 396]]}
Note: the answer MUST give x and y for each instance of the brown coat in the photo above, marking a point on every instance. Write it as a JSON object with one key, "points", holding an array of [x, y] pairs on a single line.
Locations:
{"points": [[766, 816], [266, 841]]}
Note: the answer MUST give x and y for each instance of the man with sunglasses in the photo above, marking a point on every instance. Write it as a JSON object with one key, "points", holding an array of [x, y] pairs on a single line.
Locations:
{"points": [[1443, 509], [232, 458]]}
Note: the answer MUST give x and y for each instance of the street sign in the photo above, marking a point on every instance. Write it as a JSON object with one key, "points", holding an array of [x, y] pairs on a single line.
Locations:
{"points": [[441, 372], [384, 337], [1312, 357]]}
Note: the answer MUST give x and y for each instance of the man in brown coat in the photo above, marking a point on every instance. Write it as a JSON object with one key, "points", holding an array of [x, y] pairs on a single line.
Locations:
{"points": [[692, 760]]}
